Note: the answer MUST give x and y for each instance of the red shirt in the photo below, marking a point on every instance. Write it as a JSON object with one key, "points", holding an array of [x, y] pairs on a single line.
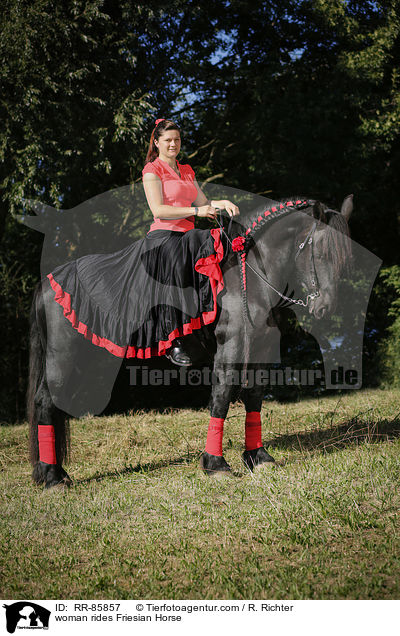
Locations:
{"points": [[177, 191]]}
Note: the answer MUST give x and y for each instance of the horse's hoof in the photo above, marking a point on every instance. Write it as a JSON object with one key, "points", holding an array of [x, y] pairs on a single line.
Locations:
{"points": [[257, 457], [51, 475], [59, 484], [215, 466]]}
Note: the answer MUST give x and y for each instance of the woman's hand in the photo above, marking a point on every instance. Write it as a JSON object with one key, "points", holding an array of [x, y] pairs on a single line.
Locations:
{"points": [[230, 207], [207, 211]]}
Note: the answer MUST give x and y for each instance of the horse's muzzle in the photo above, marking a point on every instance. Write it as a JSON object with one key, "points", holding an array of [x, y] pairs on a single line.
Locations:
{"points": [[320, 307]]}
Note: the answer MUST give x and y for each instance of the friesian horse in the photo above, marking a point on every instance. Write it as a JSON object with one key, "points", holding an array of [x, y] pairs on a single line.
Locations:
{"points": [[289, 245]]}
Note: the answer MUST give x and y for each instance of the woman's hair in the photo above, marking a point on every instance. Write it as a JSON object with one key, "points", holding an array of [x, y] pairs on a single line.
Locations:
{"points": [[162, 126]]}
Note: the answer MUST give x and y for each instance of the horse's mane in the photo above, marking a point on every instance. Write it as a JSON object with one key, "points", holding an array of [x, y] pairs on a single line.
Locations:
{"points": [[335, 241]]}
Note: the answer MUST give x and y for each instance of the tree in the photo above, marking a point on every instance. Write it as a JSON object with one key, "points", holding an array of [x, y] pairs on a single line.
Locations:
{"points": [[80, 87], [274, 97]]}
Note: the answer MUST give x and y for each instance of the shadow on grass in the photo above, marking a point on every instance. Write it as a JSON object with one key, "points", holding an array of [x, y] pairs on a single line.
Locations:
{"points": [[142, 468], [352, 433]]}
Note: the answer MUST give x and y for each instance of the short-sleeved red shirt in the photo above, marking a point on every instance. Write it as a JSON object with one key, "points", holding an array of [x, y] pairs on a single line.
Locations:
{"points": [[177, 191]]}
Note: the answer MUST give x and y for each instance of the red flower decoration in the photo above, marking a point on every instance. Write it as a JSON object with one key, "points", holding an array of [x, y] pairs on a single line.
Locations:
{"points": [[238, 244]]}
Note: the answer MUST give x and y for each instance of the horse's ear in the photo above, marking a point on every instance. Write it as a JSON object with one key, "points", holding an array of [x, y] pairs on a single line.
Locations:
{"points": [[347, 207], [318, 212]]}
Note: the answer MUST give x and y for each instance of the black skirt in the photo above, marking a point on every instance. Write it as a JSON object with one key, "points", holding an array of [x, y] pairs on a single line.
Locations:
{"points": [[136, 301]]}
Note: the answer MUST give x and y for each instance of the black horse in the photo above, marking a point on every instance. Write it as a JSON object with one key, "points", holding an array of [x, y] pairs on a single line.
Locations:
{"points": [[291, 252]]}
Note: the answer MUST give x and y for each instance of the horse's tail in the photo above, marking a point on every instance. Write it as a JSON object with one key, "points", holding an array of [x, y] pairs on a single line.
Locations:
{"points": [[40, 407], [36, 372]]}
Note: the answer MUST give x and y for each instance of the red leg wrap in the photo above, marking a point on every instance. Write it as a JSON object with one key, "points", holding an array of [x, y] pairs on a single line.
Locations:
{"points": [[214, 436], [47, 444], [253, 430]]}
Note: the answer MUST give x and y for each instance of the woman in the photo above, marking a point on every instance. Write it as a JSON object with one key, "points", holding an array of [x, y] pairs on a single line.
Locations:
{"points": [[171, 196], [139, 301]]}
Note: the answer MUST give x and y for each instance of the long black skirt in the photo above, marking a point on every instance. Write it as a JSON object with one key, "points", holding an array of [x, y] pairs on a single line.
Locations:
{"points": [[136, 301]]}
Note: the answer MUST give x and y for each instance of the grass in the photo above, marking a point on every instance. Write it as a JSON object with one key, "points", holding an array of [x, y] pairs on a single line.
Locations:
{"points": [[142, 521]]}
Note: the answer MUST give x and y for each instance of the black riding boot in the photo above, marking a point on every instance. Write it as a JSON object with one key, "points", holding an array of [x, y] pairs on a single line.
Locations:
{"points": [[177, 355]]}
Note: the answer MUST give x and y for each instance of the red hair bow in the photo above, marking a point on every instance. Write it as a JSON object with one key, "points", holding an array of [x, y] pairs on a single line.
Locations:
{"points": [[158, 121], [238, 243]]}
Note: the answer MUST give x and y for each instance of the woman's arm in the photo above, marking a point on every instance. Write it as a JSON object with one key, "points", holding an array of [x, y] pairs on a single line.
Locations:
{"points": [[223, 204], [153, 189]]}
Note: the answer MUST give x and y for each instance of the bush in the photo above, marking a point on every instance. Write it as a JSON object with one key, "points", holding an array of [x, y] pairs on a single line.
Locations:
{"points": [[389, 348]]}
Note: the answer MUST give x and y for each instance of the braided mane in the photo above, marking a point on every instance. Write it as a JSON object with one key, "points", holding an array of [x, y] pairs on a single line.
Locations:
{"points": [[335, 242]]}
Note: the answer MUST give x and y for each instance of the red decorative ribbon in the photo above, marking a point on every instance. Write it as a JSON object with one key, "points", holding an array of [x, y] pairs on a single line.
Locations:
{"points": [[238, 244], [158, 121], [214, 436], [253, 430], [47, 444]]}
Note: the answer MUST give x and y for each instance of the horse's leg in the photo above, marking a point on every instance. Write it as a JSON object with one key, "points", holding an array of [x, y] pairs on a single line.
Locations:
{"points": [[48, 425], [262, 349], [212, 460], [255, 453], [226, 376], [48, 440]]}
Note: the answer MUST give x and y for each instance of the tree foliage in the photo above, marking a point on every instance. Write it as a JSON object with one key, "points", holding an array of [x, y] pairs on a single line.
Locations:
{"points": [[273, 97], [77, 86]]}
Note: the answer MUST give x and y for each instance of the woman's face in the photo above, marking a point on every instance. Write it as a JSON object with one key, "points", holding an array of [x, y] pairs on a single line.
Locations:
{"points": [[169, 144]]}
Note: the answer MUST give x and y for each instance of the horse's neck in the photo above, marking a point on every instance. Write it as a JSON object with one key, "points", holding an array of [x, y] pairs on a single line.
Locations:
{"points": [[273, 244], [272, 251], [272, 258]]}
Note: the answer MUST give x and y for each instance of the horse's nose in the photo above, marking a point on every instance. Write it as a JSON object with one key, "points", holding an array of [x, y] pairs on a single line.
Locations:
{"points": [[320, 312], [319, 307]]}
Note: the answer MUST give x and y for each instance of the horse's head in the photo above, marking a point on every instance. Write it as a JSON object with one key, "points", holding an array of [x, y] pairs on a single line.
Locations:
{"points": [[303, 256], [322, 254]]}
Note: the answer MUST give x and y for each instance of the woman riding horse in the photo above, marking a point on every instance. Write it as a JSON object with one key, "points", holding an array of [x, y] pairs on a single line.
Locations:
{"points": [[171, 191], [139, 302]]}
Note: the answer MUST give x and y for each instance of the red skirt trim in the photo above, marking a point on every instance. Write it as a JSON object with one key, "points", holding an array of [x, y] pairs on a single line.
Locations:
{"points": [[208, 266]]}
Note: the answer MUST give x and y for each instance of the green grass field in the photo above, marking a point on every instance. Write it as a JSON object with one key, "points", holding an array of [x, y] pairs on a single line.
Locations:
{"points": [[142, 521]]}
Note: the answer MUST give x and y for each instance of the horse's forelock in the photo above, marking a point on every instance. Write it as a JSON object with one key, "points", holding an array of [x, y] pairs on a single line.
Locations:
{"points": [[335, 240]]}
